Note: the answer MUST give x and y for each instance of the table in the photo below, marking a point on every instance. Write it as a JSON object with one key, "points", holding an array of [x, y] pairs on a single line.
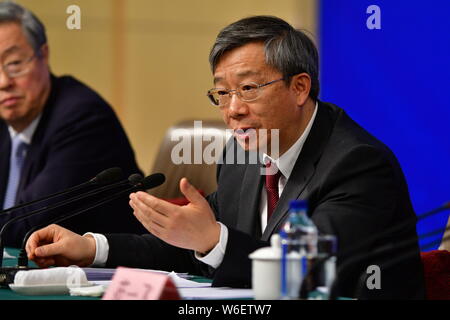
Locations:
{"points": [[8, 294]]}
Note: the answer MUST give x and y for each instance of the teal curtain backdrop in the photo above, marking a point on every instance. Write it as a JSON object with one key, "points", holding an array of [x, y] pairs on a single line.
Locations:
{"points": [[395, 82]]}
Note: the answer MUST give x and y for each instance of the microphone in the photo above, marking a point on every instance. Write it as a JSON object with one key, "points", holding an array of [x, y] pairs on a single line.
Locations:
{"points": [[135, 178], [106, 177], [103, 178], [443, 207], [138, 184], [384, 249]]}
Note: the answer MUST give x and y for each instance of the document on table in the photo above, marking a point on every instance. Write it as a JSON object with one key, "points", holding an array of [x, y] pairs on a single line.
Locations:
{"points": [[215, 293], [99, 279], [178, 280], [184, 283], [94, 274], [191, 290]]}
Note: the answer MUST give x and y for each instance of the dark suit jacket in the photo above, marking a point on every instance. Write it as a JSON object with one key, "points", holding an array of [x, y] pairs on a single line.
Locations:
{"points": [[355, 189], [77, 137]]}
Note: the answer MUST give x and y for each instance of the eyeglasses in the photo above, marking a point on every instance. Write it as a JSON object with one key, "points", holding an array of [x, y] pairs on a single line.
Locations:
{"points": [[246, 92], [18, 67]]}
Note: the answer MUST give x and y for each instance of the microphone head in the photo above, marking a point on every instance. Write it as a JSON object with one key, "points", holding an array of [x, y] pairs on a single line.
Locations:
{"points": [[151, 181], [135, 178], [108, 176]]}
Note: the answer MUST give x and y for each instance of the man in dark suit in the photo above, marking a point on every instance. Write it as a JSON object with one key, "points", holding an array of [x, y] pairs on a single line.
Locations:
{"points": [[55, 132], [266, 78]]}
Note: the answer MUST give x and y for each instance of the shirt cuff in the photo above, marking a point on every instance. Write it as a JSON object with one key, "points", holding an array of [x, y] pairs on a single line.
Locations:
{"points": [[215, 257], [101, 251]]}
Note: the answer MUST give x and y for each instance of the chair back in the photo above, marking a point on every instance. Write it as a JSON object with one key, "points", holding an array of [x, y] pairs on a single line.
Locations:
{"points": [[188, 143], [436, 265]]}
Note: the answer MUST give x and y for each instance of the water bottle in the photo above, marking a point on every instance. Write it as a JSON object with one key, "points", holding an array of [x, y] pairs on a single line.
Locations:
{"points": [[299, 245]]}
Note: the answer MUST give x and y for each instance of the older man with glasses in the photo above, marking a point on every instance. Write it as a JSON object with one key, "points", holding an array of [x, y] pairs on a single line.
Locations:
{"points": [[55, 132], [266, 78]]}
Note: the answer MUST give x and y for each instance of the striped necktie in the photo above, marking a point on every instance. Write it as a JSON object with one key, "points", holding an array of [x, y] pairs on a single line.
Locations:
{"points": [[18, 153], [272, 188]]}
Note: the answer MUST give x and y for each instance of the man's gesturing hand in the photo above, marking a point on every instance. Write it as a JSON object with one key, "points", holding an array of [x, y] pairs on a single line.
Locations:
{"points": [[55, 245], [191, 227]]}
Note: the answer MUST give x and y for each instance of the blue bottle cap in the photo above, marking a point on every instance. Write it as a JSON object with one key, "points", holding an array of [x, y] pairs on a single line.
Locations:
{"points": [[298, 204]]}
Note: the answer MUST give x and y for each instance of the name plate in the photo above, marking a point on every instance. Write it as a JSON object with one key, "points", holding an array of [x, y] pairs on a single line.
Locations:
{"points": [[134, 284]]}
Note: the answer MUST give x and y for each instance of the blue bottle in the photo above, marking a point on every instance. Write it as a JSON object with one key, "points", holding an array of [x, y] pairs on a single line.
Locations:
{"points": [[299, 245]]}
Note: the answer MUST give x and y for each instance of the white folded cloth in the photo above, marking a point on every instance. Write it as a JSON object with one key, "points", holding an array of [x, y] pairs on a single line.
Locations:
{"points": [[72, 276], [92, 291]]}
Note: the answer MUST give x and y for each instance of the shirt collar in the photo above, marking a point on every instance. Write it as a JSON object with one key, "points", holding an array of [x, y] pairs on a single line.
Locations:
{"points": [[286, 162], [27, 134]]}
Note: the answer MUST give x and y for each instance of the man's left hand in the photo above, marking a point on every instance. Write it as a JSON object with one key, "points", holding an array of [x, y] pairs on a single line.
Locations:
{"points": [[192, 226]]}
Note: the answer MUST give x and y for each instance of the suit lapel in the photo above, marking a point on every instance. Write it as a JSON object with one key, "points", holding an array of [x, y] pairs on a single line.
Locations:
{"points": [[5, 145], [32, 153], [304, 168], [36, 147], [250, 194]]}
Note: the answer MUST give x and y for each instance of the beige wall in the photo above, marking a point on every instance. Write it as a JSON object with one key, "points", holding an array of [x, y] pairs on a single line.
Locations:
{"points": [[149, 58]]}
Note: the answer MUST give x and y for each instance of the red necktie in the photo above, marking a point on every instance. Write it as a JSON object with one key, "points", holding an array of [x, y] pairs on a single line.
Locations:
{"points": [[272, 189]]}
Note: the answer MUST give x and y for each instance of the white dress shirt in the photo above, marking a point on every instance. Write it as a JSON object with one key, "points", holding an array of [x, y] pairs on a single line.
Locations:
{"points": [[27, 134], [214, 258]]}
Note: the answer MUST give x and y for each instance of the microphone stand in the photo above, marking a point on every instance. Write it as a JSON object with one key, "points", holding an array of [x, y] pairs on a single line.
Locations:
{"points": [[7, 274], [109, 172], [54, 206], [23, 259]]}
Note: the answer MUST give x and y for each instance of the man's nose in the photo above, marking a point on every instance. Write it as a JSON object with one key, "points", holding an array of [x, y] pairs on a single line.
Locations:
{"points": [[237, 107], [5, 80]]}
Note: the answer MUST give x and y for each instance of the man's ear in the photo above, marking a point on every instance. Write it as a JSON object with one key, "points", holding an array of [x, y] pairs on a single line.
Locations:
{"points": [[45, 53], [301, 84]]}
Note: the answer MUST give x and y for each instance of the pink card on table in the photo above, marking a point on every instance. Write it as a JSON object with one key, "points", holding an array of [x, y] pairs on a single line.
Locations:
{"points": [[133, 284]]}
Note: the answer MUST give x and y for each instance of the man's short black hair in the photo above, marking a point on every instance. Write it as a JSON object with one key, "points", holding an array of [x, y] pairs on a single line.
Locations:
{"points": [[288, 50]]}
